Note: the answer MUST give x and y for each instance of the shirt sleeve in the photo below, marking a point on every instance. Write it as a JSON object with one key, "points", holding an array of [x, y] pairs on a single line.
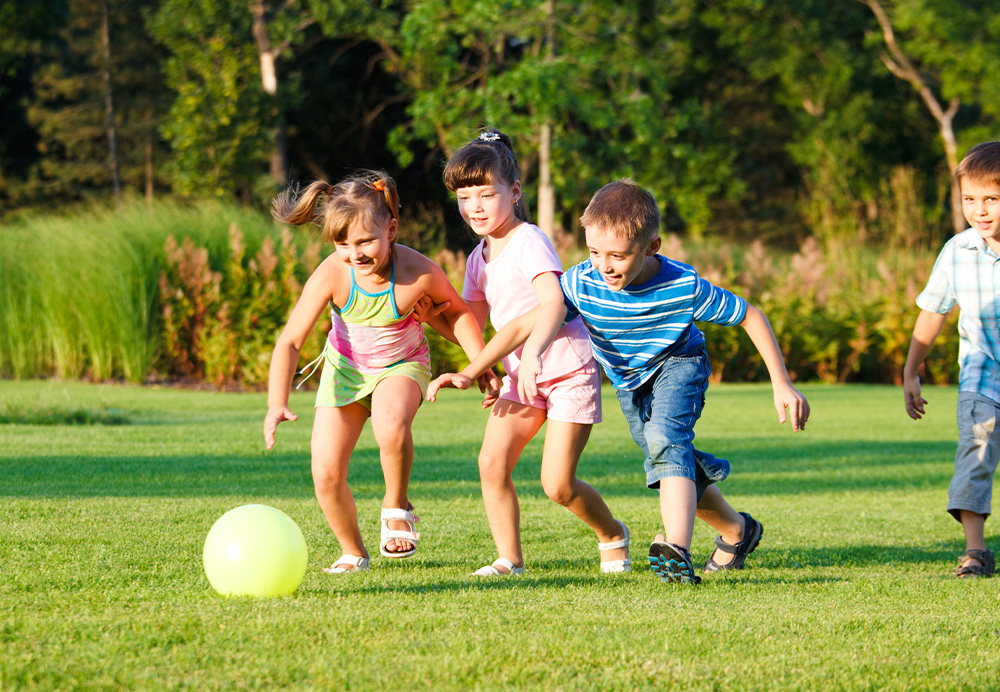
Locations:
{"points": [[939, 294], [565, 282], [537, 256], [471, 289], [717, 305]]}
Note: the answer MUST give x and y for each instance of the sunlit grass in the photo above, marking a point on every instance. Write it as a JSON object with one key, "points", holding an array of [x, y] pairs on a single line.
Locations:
{"points": [[103, 525]]}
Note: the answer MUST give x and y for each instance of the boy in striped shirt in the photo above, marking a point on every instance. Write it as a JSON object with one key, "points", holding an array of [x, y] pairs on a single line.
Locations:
{"points": [[967, 274], [639, 309]]}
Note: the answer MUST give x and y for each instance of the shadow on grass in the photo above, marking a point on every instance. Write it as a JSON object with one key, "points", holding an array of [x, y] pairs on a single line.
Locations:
{"points": [[816, 468]]}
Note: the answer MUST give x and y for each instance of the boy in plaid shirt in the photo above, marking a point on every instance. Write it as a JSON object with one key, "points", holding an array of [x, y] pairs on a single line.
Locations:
{"points": [[967, 274]]}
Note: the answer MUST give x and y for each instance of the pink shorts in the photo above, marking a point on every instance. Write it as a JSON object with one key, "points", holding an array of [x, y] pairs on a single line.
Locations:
{"points": [[572, 398]]}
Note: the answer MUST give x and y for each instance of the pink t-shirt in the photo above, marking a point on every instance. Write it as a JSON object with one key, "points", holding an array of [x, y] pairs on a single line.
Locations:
{"points": [[505, 284]]}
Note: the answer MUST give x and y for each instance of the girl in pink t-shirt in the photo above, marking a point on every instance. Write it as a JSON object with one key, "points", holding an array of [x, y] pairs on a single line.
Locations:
{"points": [[512, 270]]}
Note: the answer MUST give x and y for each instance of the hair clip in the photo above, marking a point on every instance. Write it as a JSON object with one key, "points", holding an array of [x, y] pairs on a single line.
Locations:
{"points": [[489, 136], [379, 185]]}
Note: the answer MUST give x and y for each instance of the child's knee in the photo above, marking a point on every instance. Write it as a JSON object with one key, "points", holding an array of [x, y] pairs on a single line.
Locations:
{"points": [[328, 477], [558, 490], [493, 467]]}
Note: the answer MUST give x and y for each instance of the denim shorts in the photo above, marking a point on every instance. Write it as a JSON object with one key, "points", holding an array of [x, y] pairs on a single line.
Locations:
{"points": [[661, 414], [976, 458]]}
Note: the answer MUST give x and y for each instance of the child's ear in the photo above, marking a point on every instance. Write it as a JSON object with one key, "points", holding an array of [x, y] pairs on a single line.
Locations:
{"points": [[393, 229], [515, 190], [654, 246]]}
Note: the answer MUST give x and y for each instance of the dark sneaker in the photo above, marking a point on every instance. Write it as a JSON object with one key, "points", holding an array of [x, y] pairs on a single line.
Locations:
{"points": [[672, 563], [751, 537]]}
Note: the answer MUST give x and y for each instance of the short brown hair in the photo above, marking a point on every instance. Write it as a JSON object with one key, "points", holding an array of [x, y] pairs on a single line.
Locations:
{"points": [[623, 209], [981, 164]]}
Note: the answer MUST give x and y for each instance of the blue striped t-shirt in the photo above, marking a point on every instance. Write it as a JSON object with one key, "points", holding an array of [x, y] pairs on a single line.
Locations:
{"points": [[967, 274], [633, 331]]}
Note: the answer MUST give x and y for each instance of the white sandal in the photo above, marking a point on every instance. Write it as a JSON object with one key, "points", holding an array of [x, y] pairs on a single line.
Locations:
{"points": [[492, 571], [389, 534], [616, 566], [360, 564]]}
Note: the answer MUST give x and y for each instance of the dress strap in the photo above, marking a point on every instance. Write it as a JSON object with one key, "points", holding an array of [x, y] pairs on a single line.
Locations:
{"points": [[314, 365]]}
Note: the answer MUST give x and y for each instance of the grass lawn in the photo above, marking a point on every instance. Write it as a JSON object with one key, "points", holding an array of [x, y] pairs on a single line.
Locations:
{"points": [[108, 493]]}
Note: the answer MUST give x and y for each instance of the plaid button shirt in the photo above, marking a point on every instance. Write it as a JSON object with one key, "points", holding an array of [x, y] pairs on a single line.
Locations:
{"points": [[967, 274]]}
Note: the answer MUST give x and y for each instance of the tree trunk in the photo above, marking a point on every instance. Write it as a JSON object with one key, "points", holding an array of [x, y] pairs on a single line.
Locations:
{"points": [[546, 192], [109, 105], [899, 64], [149, 166], [269, 82]]}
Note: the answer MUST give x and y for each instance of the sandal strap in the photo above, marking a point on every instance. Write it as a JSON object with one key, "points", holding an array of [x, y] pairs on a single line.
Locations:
{"points": [[613, 545], [397, 513], [725, 547], [492, 571], [353, 560], [984, 556]]}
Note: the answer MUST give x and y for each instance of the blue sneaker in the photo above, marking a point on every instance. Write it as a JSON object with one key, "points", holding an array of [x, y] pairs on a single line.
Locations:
{"points": [[672, 563]]}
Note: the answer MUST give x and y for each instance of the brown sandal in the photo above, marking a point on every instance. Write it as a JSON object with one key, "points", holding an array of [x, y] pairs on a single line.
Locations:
{"points": [[984, 570]]}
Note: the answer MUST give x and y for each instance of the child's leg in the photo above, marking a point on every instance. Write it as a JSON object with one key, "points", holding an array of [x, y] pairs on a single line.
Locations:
{"points": [[394, 404], [510, 427], [678, 498], [335, 433], [720, 515], [974, 527], [564, 443]]}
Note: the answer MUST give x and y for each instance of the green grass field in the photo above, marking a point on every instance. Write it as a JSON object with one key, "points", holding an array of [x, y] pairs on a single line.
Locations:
{"points": [[108, 493]]}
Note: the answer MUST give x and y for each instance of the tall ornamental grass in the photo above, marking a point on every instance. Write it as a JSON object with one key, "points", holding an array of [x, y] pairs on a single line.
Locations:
{"points": [[200, 292], [79, 293]]}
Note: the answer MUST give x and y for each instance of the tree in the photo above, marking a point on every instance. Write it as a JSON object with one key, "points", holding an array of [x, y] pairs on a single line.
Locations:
{"points": [[221, 121], [949, 57], [84, 143]]}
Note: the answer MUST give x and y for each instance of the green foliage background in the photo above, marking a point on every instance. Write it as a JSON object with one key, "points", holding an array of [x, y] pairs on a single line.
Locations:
{"points": [[202, 292]]}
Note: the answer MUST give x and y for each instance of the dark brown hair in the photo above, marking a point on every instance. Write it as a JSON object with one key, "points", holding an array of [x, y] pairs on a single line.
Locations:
{"points": [[486, 160], [370, 195], [623, 209], [981, 164]]}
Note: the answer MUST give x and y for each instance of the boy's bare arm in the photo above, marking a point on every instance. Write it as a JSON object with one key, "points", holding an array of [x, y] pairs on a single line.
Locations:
{"points": [[785, 395], [925, 331]]}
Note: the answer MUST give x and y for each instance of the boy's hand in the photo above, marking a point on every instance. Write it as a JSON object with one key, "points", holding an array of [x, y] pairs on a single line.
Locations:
{"points": [[914, 402], [787, 396], [449, 379], [426, 309], [275, 415], [489, 385]]}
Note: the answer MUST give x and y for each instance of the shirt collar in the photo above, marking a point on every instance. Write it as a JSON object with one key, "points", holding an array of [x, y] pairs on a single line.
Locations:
{"points": [[971, 240]]}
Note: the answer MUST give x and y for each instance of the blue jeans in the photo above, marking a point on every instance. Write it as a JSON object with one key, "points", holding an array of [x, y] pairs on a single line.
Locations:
{"points": [[661, 414]]}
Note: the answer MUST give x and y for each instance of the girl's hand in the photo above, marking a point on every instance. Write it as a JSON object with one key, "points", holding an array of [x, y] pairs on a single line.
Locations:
{"points": [[275, 415], [489, 385], [528, 372], [787, 396], [426, 309], [448, 379]]}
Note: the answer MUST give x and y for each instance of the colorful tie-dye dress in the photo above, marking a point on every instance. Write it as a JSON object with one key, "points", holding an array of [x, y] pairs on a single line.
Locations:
{"points": [[370, 341]]}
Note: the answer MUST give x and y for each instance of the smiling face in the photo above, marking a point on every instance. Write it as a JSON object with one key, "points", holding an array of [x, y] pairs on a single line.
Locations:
{"points": [[489, 209], [622, 262], [981, 206], [367, 246]]}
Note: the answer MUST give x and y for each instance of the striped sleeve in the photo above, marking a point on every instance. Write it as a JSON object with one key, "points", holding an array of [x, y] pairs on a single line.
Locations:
{"points": [[717, 305]]}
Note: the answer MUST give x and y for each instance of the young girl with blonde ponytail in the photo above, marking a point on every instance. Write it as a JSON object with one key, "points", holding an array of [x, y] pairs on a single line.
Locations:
{"points": [[376, 363]]}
